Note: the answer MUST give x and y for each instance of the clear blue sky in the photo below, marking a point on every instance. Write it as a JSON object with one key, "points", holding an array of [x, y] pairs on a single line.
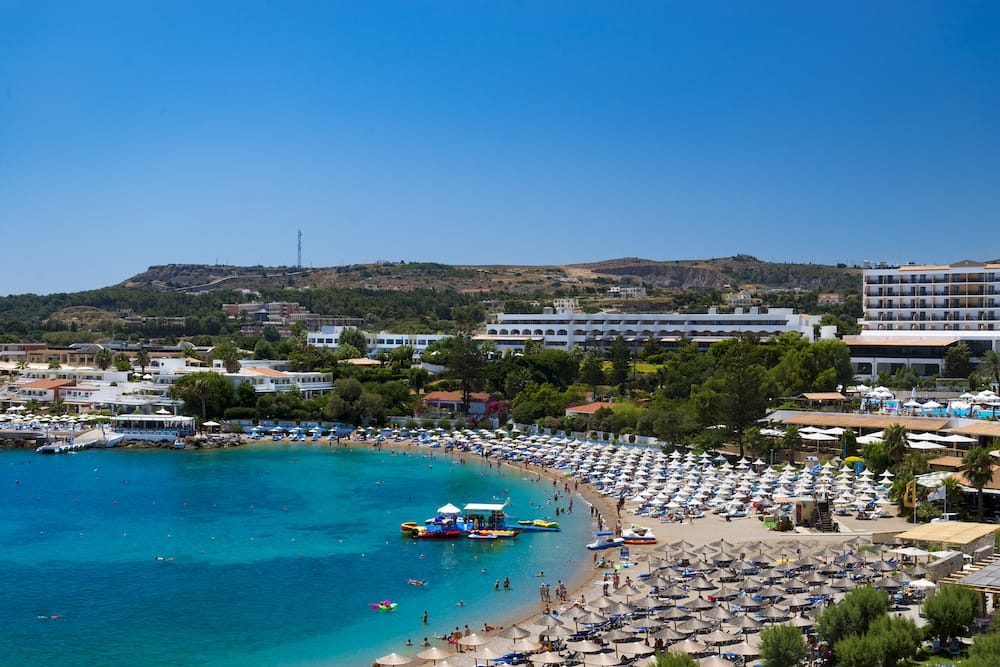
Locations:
{"points": [[136, 133]]}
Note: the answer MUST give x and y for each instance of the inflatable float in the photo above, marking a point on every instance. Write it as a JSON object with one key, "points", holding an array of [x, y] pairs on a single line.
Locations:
{"points": [[384, 605]]}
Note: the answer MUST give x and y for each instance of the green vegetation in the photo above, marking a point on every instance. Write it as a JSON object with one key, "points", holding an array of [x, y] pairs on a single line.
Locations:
{"points": [[782, 646]]}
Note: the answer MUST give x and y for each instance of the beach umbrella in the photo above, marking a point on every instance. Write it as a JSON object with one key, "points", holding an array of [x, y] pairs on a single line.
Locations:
{"points": [[393, 659], [718, 637], [743, 649], [714, 661], [693, 625], [473, 640], [547, 658], [610, 658], [487, 653], [745, 623], [548, 621], [516, 632], [434, 653], [525, 644], [690, 646], [585, 646]]}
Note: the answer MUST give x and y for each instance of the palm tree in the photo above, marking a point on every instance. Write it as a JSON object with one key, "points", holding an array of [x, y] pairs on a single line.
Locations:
{"points": [[103, 358], [894, 443], [990, 365], [977, 466], [142, 358]]}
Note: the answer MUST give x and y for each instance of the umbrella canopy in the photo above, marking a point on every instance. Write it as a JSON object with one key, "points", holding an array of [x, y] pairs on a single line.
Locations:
{"points": [[516, 632], [714, 661], [602, 659], [547, 658], [393, 659], [473, 640], [434, 653]]}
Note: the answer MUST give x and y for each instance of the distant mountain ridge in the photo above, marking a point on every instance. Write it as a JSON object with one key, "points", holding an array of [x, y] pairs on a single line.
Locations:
{"points": [[739, 272]]}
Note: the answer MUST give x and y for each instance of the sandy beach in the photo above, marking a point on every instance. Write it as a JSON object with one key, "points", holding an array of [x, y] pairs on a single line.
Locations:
{"points": [[585, 583]]}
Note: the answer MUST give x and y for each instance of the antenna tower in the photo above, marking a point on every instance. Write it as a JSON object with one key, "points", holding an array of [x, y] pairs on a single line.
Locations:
{"points": [[300, 249]]}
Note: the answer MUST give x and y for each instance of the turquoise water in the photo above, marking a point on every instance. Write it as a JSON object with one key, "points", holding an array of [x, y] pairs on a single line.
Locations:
{"points": [[266, 555]]}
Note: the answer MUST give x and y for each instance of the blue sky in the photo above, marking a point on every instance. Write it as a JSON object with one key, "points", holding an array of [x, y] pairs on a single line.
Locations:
{"points": [[140, 133]]}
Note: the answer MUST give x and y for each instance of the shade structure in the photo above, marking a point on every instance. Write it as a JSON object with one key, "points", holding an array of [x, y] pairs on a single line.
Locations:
{"points": [[525, 644], [547, 658], [434, 653], [487, 653], [586, 646], [610, 658], [690, 646], [473, 640], [515, 632], [393, 659], [719, 637], [741, 649], [714, 661]]}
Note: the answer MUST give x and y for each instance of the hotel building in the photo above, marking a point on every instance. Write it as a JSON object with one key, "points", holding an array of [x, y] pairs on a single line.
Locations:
{"points": [[565, 327], [914, 313]]}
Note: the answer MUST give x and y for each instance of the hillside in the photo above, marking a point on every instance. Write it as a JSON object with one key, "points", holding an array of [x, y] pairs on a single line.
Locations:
{"points": [[677, 275]]}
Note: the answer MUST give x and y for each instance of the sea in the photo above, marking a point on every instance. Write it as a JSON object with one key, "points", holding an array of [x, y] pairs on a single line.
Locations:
{"points": [[260, 555]]}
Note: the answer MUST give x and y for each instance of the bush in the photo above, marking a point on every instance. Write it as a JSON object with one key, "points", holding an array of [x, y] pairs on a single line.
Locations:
{"points": [[239, 413], [950, 611]]}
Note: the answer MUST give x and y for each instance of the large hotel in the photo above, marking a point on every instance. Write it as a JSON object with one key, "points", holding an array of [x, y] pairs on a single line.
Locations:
{"points": [[565, 327], [914, 313]]}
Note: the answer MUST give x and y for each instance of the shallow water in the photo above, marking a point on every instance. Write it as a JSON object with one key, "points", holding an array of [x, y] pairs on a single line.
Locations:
{"points": [[261, 555]]}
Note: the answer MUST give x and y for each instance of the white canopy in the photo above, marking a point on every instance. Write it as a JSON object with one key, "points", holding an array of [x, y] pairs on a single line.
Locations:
{"points": [[449, 509]]}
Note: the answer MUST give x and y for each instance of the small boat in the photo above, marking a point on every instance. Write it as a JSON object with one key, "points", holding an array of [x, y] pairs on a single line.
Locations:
{"points": [[437, 533], [606, 542], [408, 527]]}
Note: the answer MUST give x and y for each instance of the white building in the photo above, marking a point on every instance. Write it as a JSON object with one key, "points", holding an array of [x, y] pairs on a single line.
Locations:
{"points": [[914, 313], [566, 328], [383, 341]]}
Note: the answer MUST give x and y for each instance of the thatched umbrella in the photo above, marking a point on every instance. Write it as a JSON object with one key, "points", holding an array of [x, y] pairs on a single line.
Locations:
{"points": [[393, 659]]}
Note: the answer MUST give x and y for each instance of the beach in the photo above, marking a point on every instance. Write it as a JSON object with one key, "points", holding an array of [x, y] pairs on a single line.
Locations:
{"points": [[585, 583]]}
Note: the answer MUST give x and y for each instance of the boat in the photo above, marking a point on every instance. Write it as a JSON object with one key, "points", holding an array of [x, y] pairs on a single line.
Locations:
{"points": [[450, 521], [436, 533], [606, 541], [539, 525], [408, 527], [638, 535]]}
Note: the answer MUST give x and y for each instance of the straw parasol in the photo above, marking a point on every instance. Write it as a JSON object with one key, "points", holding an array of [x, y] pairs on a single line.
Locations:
{"points": [[393, 659], [547, 658], [434, 653], [516, 632], [602, 659], [473, 640]]}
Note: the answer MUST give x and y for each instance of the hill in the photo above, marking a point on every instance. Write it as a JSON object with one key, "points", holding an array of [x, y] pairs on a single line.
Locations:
{"points": [[741, 271]]}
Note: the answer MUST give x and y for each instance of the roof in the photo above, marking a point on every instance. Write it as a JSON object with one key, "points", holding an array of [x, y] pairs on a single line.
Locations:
{"points": [[949, 532], [824, 396], [992, 485], [269, 372], [363, 361], [47, 384], [485, 507], [988, 429], [954, 462], [588, 408], [924, 267], [454, 396], [986, 579], [856, 421], [900, 341]]}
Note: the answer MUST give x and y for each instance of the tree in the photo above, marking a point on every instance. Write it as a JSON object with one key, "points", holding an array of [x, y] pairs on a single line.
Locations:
{"points": [[246, 395], [229, 354], [791, 442], [950, 610], [737, 395], [620, 362], [122, 362], [957, 362], [989, 365], [355, 338], [465, 361], [853, 615], [984, 650], [898, 638], [671, 659], [103, 358], [858, 651], [782, 646], [592, 371], [977, 466], [211, 392], [142, 358], [894, 443]]}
